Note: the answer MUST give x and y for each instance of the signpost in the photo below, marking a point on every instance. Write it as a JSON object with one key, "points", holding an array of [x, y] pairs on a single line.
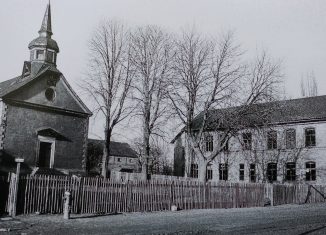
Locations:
{"points": [[14, 208]]}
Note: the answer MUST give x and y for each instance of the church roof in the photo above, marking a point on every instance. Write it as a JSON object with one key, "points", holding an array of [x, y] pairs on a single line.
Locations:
{"points": [[11, 85], [15, 83], [46, 23], [45, 40]]}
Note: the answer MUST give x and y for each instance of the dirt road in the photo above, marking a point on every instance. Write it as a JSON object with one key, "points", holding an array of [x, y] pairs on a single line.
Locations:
{"points": [[289, 219]]}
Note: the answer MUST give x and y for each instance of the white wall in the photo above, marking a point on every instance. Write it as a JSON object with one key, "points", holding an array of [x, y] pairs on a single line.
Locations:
{"points": [[300, 155]]}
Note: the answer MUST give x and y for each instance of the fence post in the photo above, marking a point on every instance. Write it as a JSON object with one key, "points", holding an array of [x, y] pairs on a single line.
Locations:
{"points": [[272, 194], [67, 203], [15, 195]]}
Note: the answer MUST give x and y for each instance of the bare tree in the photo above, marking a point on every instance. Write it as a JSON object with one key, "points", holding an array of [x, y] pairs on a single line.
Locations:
{"points": [[211, 75], [157, 161], [151, 57], [109, 78], [308, 85]]}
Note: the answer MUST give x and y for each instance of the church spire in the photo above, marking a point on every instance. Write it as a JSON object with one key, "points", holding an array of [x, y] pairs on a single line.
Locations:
{"points": [[43, 49], [46, 26]]}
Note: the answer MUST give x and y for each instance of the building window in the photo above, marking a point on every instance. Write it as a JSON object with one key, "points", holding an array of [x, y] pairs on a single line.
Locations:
{"points": [[241, 172], [50, 94], [310, 171], [40, 55], [50, 56], [290, 171], [247, 139], [130, 161], [223, 171], [271, 172], [290, 139], [209, 172], [208, 143], [225, 142], [252, 173], [194, 170], [310, 135], [118, 159], [272, 140]]}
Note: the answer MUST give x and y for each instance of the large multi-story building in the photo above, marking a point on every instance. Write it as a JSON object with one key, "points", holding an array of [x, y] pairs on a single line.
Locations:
{"points": [[290, 147]]}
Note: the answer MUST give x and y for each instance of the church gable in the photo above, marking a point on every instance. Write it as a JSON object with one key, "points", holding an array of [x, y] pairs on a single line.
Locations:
{"points": [[49, 89]]}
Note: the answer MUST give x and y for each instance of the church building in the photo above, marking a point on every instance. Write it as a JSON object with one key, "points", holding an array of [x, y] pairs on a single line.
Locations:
{"points": [[43, 120]]}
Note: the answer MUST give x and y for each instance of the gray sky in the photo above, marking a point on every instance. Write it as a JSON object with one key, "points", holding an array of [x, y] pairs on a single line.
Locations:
{"points": [[293, 31]]}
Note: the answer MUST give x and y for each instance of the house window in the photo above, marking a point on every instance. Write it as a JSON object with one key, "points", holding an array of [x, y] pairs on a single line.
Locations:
{"points": [[208, 143], [247, 139], [241, 172], [223, 171], [290, 171], [209, 172], [40, 55], [290, 139], [224, 142], [272, 140], [252, 173], [194, 170], [118, 159], [310, 135], [130, 161], [272, 172], [310, 171]]}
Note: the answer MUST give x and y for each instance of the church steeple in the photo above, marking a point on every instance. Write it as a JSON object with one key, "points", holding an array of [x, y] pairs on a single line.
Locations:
{"points": [[46, 26], [43, 50]]}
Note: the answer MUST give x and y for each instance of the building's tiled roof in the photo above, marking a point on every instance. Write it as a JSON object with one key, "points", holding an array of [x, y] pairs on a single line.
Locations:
{"points": [[45, 42], [13, 84], [116, 148], [301, 110]]}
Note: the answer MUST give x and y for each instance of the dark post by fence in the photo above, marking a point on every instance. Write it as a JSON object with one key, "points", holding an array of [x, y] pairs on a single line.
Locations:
{"points": [[15, 194]]}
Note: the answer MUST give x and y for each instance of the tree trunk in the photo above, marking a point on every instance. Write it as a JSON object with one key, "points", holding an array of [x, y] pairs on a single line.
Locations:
{"points": [[146, 153], [104, 161], [202, 168], [106, 150]]}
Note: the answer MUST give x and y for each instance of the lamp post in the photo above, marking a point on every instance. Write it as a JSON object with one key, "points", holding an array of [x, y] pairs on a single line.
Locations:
{"points": [[18, 161]]}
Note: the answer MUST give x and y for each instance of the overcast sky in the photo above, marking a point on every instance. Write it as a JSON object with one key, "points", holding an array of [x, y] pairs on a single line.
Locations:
{"points": [[293, 31]]}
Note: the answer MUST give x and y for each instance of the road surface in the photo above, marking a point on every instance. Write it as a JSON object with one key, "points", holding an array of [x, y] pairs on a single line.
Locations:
{"points": [[288, 219]]}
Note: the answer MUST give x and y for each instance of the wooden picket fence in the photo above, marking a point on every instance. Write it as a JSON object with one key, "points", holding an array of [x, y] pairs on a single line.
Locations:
{"points": [[44, 194], [298, 194]]}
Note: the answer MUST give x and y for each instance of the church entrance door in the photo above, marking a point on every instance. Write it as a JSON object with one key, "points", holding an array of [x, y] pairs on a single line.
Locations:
{"points": [[45, 154], [46, 147]]}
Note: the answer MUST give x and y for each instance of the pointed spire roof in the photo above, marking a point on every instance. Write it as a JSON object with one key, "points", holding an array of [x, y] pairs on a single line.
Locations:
{"points": [[46, 26], [44, 40]]}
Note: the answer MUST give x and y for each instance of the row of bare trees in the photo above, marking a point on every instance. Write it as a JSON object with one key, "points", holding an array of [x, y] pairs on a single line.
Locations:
{"points": [[154, 76]]}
